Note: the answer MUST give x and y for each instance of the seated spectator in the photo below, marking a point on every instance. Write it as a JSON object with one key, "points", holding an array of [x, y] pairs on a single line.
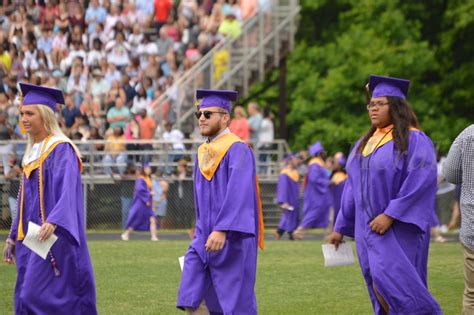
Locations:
{"points": [[118, 115], [95, 54], [239, 124], [70, 112], [114, 92], [99, 87], [135, 39], [140, 101], [115, 149], [90, 107], [95, 14], [118, 51]]}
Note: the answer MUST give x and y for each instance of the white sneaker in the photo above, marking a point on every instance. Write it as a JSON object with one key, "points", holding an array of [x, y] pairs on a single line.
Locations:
{"points": [[155, 239], [124, 237]]}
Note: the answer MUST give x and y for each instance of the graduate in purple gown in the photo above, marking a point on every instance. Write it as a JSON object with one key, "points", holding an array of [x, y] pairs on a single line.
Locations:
{"points": [[220, 265], [141, 216], [316, 196], [388, 203], [50, 196], [288, 191], [337, 183]]}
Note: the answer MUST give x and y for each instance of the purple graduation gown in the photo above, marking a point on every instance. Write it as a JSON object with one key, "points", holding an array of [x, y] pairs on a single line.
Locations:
{"points": [[140, 213], [316, 198], [227, 202], [336, 195], [288, 191], [405, 189], [38, 290]]}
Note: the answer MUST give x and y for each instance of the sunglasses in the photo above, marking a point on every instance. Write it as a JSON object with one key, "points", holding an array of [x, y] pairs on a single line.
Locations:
{"points": [[207, 114]]}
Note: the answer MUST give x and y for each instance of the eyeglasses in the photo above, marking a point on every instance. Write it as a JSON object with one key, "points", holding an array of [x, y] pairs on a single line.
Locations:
{"points": [[207, 114], [376, 105]]}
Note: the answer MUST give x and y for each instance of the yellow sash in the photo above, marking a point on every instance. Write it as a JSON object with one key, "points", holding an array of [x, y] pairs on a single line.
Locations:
{"points": [[317, 160], [291, 173], [380, 137], [148, 182], [338, 178], [27, 170], [211, 154]]}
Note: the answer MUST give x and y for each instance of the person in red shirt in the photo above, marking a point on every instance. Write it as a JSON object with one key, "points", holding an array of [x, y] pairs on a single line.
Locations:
{"points": [[162, 12]]}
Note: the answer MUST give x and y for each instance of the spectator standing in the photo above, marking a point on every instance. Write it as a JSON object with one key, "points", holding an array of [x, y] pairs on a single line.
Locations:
{"points": [[70, 113], [95, 14], [162, 12], [147, 130], [255, 121], [458, 169], [175, 138], [265, 137], [239, 124]]}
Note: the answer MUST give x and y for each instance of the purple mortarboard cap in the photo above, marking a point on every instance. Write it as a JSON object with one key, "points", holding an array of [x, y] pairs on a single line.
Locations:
{"points": [[40, 95], [342, 161], [316, 148], [387, 86], [216, 98]]}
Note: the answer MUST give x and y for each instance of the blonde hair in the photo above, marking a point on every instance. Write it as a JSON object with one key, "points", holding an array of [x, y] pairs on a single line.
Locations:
{"points": [[52, 128], [240, 110]]}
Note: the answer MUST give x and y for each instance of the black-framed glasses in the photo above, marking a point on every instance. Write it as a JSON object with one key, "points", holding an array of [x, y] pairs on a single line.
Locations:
{"points": [[377, 105], [207, 114]]}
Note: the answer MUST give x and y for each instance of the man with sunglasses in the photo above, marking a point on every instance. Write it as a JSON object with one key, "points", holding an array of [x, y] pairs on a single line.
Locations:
{"points": [[220, 265]]}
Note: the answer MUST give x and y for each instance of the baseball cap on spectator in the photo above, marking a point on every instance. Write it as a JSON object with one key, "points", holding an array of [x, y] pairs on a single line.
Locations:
{"points": [[57, 73]]}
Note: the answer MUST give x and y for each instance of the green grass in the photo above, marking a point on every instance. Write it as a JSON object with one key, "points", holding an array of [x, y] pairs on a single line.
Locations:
{"points": [[141, 277]]}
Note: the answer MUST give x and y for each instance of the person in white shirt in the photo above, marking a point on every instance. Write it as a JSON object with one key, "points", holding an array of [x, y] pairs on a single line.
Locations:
{"points": [[175, 137], [266, 135]]}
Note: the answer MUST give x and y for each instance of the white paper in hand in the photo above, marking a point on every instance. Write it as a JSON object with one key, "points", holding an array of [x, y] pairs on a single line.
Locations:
{"points": [[342, 257], [181, 262], [31, 241]]}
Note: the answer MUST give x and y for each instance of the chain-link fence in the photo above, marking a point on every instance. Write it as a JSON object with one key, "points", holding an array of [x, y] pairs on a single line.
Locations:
{"points": [[108, 196]]}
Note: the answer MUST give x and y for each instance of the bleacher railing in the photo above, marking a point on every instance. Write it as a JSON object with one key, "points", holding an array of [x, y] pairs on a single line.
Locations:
{"points": [[235, 63]]}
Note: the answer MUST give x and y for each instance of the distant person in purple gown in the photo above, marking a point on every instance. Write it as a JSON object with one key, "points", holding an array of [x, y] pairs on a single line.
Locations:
{"points": [[288, 191], [316, 195], [337, 182], [50, 196], [388, 203], [221, 262], [141, 216]]}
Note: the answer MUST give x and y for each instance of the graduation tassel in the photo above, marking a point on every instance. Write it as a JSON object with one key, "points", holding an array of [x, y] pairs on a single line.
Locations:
{"points": [[55, 265]]}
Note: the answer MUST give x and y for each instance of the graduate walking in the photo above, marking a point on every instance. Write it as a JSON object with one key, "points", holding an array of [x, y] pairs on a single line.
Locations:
{"points": [[51, 197], [141, 216], [288, 191], [220, 265], [336, 185], [388, 203], [316, 195]]}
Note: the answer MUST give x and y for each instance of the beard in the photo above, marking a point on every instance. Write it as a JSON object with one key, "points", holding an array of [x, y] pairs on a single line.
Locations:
{"points": [[211, 131]]}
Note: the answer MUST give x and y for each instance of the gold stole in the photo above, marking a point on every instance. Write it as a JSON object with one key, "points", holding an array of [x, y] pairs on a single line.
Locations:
{"points": [[338, 178], [291, 173], [27, 170], [211, 154], [380, 137]]}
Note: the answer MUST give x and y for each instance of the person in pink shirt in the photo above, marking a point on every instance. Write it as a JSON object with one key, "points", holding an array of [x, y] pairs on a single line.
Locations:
{"points": [[239, 124]]}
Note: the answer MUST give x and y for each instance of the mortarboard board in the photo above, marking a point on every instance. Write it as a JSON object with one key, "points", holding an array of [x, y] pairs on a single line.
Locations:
{"points": [[316, 148], [40, 95], [388, 86], [216, 98]]}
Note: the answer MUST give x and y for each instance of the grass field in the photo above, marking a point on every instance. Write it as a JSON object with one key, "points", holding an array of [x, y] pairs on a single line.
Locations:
{"points": [[141, 277]]}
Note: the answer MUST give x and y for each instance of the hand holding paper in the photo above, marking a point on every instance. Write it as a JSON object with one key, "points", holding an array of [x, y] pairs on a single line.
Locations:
{"points": [[343, 256], [41, 248]]}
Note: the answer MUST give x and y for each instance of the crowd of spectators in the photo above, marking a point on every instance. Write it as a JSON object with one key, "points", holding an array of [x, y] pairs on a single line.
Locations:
{"points": [[111, 58]]}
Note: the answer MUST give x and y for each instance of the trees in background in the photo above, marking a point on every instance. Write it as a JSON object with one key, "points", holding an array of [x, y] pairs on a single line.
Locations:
{"points": [[341, 42]]}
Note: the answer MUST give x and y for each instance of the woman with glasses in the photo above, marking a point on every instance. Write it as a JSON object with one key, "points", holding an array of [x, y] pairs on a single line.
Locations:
{"points": [[388, 203]]}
